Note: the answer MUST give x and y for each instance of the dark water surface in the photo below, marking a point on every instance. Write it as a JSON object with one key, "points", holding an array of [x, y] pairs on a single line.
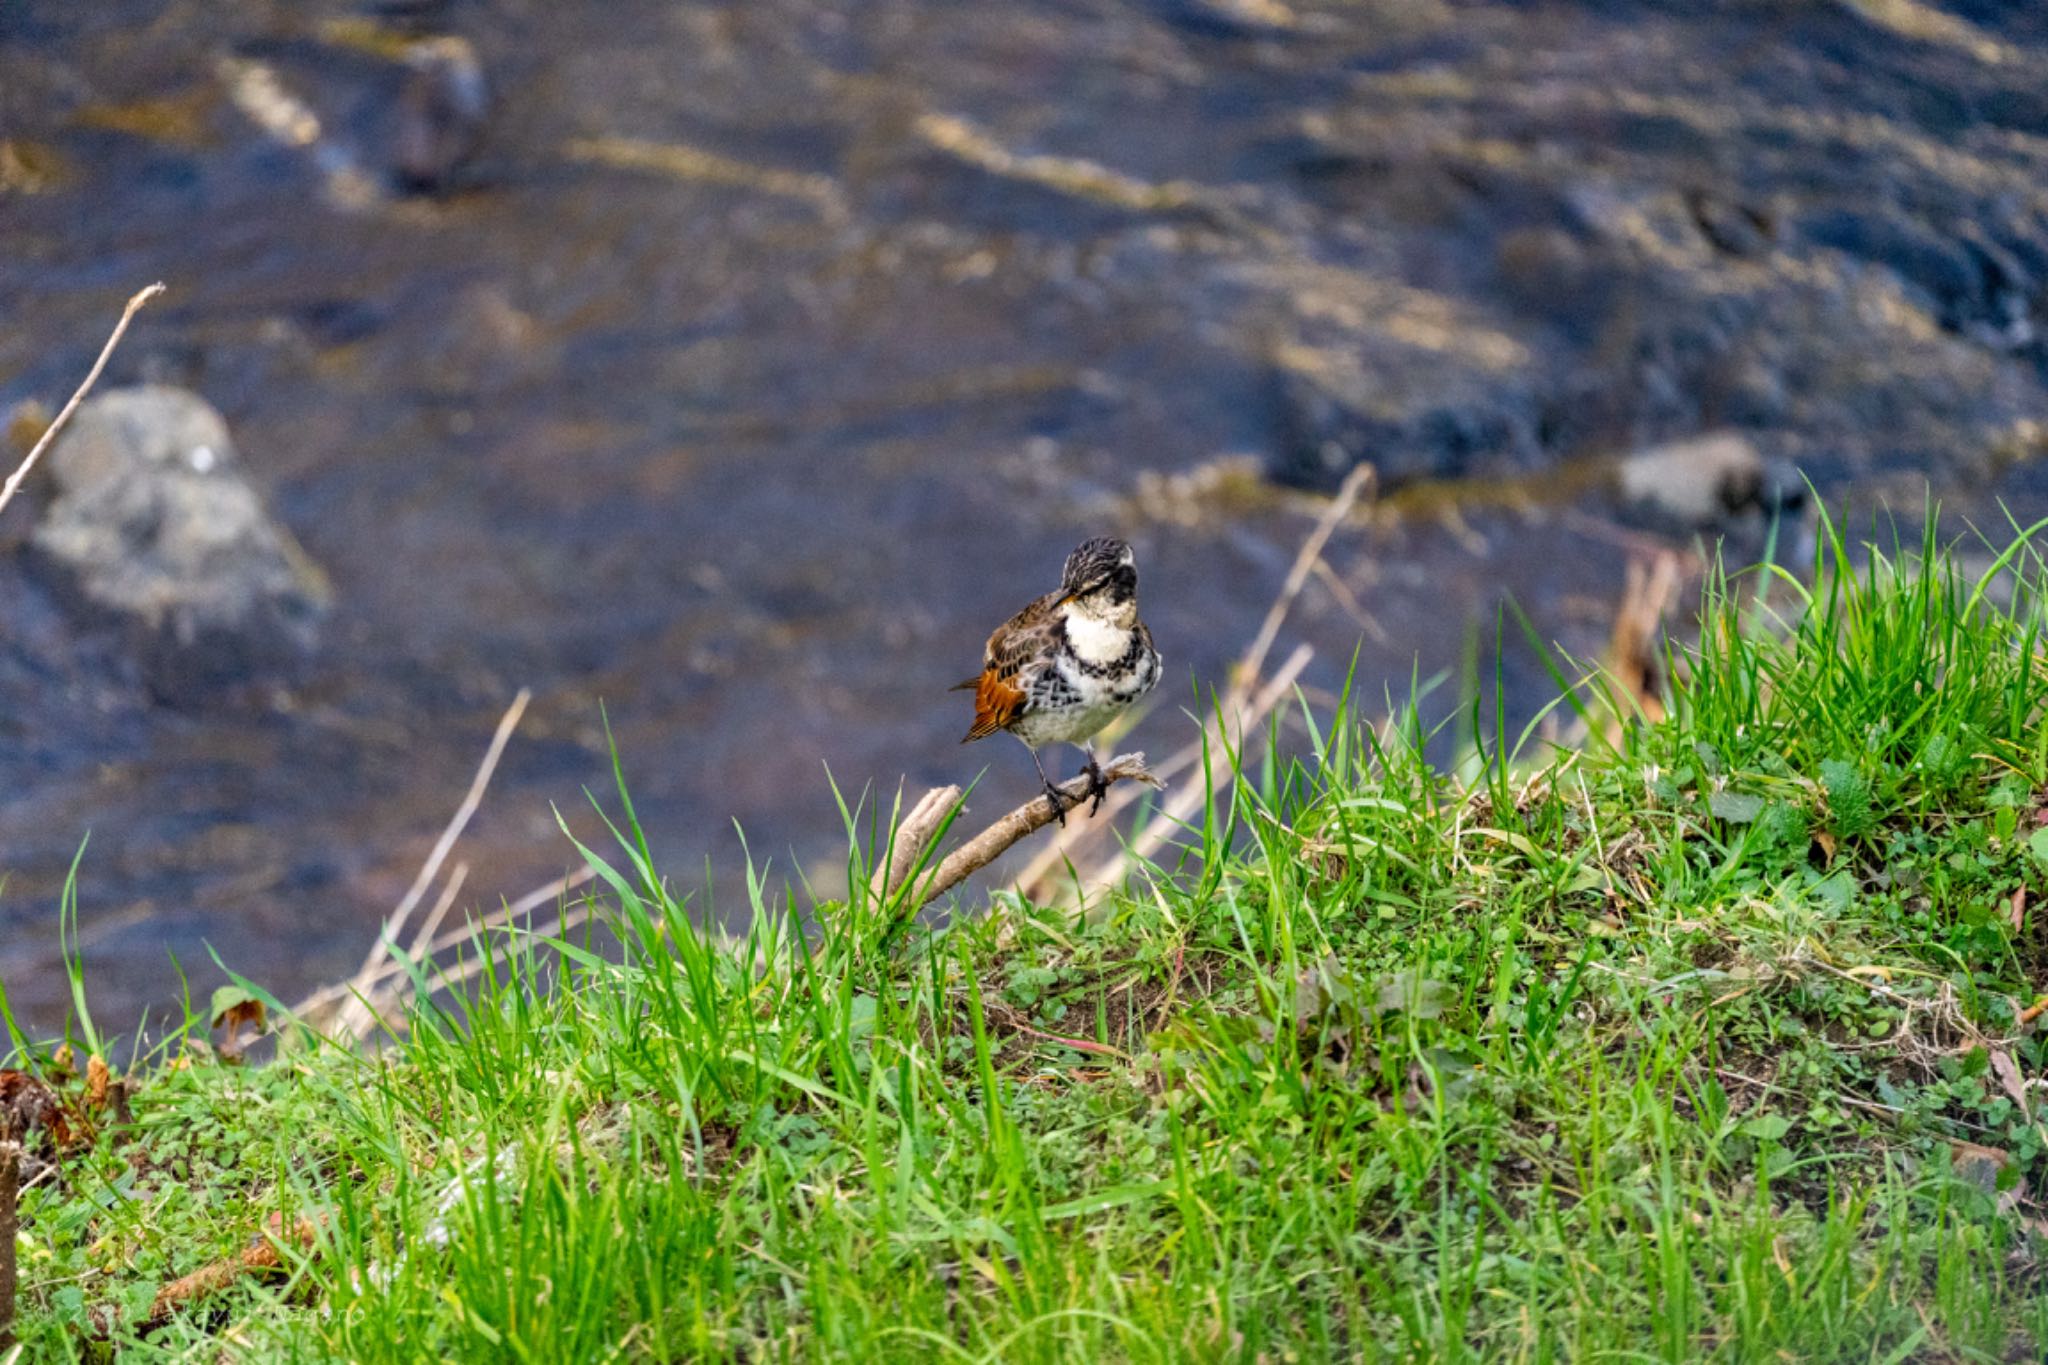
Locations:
{"points": [[769, 353]]}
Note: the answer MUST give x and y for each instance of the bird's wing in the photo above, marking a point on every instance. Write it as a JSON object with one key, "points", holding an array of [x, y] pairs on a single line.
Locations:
{"points": [[1015, 652]]}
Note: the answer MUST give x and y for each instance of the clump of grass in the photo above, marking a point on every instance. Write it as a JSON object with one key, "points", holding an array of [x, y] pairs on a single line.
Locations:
{"points": [[1713, 1043]]}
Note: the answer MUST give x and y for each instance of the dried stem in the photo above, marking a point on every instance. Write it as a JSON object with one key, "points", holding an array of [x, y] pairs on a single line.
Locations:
{"points": [[312, 1007], [1304, 564], [50, 433], [440, 911], [356, 1021], [395, 1002], [1175, 815]]}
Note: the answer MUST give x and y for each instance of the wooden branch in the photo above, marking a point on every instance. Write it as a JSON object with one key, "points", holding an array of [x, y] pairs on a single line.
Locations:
{"points": [[13, 484], [1181, 809], [1305, 559], [913, 836], [1034, 815]]}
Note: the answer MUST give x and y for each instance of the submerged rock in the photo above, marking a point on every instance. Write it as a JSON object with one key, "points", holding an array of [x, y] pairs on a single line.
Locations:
{"points": [[153, 524], [442, 113], [1333, 411]]}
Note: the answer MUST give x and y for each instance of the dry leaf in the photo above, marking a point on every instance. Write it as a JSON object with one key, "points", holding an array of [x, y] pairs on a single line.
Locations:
{"points": [[264, 1254], [1978, 1164], [2008, 1073], [2018, 911], [96, 1078]]}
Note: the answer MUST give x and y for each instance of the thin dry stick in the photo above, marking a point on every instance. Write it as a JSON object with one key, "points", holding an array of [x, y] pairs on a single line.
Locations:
{"points": [[1244, 677], [455, 976], [355, 1018], [440, 910], [1035, 814], [1304, 564], [1176, 813], [327, 997], [525, 905], [1348, 600], [13, 484], [386, 1006]]}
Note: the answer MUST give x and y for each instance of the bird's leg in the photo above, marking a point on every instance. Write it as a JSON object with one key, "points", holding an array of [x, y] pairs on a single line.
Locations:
{"points": [[1052, 793], [1098, 785]]}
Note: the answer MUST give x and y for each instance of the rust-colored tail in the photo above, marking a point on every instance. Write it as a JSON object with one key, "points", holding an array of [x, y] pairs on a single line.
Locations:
{"points": [[996, 704]]}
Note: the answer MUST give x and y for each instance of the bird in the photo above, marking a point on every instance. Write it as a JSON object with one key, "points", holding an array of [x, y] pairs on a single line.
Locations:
{"points": [[1067, 665]]}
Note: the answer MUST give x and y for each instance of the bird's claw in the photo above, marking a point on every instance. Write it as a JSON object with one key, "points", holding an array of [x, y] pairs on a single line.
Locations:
{"points": [[1059, 803], [1098, 786]]}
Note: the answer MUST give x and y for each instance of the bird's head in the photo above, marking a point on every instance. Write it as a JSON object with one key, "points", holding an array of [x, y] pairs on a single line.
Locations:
{"points": [[1101, 577]]}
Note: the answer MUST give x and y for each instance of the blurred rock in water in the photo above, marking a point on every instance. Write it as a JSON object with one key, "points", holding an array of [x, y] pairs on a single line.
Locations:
{"points": [[153, 524], [442, 113], [1709, 482]]}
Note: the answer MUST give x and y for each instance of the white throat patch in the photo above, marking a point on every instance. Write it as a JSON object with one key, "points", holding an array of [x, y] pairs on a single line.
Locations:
{"points": [[1095, 640]]}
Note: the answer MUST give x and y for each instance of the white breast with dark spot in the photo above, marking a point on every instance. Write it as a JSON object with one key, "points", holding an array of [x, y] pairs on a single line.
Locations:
{"points": [[1103, 670]]}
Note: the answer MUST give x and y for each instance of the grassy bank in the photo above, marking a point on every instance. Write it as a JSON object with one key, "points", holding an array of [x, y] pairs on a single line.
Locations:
{"points": [[1712, 1043]]}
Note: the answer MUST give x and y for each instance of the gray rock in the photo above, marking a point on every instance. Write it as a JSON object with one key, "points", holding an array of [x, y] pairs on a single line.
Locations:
{"points": [[154, 525], [1708, 481], [1335, 408]]}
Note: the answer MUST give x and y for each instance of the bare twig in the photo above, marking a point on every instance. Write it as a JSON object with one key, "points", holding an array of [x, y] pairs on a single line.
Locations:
{"points": [[14, 480], [443, 978], [1035, 814], [1348, 600], [470, 801], [355, 1020], [312, 1007]]}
